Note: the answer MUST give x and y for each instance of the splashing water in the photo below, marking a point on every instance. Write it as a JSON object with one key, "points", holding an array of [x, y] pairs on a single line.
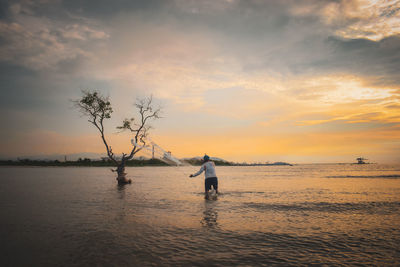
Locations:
{"points": [[157, 152]]}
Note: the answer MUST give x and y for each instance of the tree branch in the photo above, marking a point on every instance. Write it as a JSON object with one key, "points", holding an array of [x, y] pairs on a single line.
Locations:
{"points": [[97, 108]]}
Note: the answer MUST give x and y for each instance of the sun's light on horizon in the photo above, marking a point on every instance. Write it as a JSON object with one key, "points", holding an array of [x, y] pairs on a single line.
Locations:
{"points": [[242, 80]]}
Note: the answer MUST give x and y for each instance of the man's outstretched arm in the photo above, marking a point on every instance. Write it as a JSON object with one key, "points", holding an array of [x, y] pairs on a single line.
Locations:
{"points": [[197, 173]]}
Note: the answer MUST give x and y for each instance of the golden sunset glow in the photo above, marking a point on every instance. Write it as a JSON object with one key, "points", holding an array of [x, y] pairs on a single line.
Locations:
{"points": [[307, 81]]}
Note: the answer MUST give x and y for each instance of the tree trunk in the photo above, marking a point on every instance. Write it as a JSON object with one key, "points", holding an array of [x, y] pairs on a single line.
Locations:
{"points": [[122, 174]]}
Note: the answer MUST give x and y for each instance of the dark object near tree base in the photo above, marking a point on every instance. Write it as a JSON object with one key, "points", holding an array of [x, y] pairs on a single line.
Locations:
{"points": [[123, 180], [98, 108]]}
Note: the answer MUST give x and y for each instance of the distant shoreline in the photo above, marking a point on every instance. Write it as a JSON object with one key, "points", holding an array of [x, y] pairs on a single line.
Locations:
{"points": [[131, 163], [80, 163]]}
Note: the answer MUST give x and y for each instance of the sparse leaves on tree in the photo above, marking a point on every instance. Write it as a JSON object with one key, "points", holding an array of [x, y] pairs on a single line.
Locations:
{"points": [[98, 108]]}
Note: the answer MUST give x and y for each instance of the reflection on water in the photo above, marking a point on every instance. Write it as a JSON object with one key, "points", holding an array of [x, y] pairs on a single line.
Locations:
{"points": [[121, 190], [121, 210], [210, 218], [271, 215]]}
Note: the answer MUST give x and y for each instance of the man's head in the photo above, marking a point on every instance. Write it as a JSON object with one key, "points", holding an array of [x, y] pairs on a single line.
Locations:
{"points": [[206, 158]]}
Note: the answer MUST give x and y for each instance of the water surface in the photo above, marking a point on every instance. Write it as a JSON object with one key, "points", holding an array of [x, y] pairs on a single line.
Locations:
{"points": [[271, 215]]}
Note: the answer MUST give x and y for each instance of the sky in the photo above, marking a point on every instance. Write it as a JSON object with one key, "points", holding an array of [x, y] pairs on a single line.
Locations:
{"points": [[300, 81]]}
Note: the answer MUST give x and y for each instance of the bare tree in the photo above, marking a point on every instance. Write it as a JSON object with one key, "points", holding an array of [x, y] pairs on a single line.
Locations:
{"points": [[98, 108]]}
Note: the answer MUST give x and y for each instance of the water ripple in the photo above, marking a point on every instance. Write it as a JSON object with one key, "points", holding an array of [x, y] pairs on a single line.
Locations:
{"points": [[362, 207], [366, 176], [265, 216]]}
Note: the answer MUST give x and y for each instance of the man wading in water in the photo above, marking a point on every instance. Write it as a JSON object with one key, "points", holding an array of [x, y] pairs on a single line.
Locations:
{"points": [[209, 171]]}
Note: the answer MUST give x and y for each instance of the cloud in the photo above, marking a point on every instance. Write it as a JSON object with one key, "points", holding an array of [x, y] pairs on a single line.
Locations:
{"points": [[354, 19], [267, 36], [380, 117], [393, 106], [41, 42], [266, 67], [368, 19]]}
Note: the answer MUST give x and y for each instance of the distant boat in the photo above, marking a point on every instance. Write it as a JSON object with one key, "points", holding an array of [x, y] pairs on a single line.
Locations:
{"points": [[361, 161]]}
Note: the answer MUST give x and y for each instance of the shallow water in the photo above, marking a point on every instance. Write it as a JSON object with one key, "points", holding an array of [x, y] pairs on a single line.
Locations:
{"points": [[271, 215]]}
